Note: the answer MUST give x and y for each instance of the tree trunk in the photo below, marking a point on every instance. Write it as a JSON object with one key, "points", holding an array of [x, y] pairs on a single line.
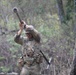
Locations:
{"points": [[73, 71], [75, 29], [60, 11]]}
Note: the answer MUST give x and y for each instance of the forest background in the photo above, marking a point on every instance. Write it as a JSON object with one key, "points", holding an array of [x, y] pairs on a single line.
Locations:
{"points": [[54, 19]]}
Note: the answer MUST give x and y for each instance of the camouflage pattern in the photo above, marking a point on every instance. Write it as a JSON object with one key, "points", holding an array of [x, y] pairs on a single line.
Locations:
{"points": [[31, 55], [33, 31]]}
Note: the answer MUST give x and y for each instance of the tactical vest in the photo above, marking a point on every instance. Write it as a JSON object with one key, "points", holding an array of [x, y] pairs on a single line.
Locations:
{"points": [[30, 51]]}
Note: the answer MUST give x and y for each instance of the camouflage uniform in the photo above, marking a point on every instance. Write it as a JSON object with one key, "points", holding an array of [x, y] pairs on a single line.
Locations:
{"points": [[31, 55]]}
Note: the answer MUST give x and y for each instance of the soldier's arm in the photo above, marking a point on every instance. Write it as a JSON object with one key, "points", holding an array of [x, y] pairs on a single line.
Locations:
{"points": [[18, 38]]}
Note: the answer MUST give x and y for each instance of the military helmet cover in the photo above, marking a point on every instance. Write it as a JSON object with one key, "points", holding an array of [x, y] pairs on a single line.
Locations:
{"points": [[33, 31]]}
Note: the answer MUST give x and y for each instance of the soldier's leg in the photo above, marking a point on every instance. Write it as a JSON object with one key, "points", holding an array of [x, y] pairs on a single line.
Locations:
{"points": [[34, 73], [24, 71]]}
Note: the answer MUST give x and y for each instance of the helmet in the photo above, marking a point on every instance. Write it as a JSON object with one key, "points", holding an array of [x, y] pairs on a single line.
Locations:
{"points": [[30, 29]]}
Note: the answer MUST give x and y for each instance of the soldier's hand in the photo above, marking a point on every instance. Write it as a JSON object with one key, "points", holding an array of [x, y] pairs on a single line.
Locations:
{"points": [[21, 25]]}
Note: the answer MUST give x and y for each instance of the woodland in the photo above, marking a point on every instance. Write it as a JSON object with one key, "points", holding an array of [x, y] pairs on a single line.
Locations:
{"points": [[54, 19]]}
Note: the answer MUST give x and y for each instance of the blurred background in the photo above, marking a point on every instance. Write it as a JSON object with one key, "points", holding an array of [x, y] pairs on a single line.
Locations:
{"points": [[54, 19]]}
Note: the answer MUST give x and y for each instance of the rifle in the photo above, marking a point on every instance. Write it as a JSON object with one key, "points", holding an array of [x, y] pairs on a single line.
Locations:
{"points": [[15, 10]]}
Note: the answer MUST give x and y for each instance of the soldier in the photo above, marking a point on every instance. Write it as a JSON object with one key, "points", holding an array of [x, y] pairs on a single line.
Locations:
{"points": [[32, 58]]}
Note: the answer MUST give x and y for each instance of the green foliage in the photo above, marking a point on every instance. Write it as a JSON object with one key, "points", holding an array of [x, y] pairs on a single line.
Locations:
{"points": [[4, 69], [69, 9], [39, 10], [49, 27], [12, 24], [2, 58], [4, 2], [15, 47]]}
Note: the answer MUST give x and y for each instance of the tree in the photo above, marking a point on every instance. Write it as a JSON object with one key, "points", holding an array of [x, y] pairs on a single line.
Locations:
{"points": [[73, 71], [61, 11]]}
